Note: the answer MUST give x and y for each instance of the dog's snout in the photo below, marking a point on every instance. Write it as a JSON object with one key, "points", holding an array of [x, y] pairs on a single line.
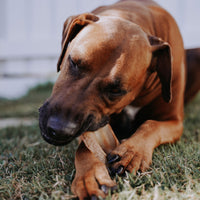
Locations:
{"points": [[60, 128]]}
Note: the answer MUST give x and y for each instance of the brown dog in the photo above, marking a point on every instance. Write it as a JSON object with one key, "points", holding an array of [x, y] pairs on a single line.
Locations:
{"points": [[124, 65]]}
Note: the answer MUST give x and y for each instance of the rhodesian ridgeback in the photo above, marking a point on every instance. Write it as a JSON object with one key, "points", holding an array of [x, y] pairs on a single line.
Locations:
{"points": [[122, 65]]}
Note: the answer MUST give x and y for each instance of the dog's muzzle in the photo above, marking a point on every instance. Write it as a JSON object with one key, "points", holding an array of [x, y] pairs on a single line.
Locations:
{"points": [[59, 130]]}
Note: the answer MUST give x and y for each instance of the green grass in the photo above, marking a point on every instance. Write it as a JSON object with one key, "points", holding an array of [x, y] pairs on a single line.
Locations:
{"points": [[32, 169], [28, 105]]}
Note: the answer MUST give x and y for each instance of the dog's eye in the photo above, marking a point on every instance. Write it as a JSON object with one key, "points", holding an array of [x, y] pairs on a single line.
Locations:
{"points": [[77, 68], [115, 93], [73, 66], [114, 90]]}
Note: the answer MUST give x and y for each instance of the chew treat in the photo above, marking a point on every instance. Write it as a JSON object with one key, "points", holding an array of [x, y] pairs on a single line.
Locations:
{"points": [[100, 142]]}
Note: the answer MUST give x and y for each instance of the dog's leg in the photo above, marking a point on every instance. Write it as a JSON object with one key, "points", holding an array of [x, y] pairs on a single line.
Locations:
{"points": [[136, 152], [92, 178]]}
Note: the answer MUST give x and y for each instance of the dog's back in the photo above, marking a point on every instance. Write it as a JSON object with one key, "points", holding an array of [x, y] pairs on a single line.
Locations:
{"points": [[193, 73]]}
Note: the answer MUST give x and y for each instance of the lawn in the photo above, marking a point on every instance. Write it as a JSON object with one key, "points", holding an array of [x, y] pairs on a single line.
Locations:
{"points": [[32, 169]]}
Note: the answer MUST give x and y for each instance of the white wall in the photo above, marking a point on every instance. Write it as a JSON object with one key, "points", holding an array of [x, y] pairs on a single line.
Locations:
{"points": [[187, 15], [30, 36]]}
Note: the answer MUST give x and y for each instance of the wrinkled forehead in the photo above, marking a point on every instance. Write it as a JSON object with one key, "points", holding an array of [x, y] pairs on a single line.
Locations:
{"points": [[99, 37]]}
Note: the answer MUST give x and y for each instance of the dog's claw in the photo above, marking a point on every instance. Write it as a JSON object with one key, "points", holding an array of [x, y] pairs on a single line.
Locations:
{"points": [[117, 171], [112, 158], [105, 189], [111, 171], [93, 197]]}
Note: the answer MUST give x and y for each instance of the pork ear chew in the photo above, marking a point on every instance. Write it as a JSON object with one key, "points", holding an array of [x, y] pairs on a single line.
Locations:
{"points": [[162, 64], [72, 27]]}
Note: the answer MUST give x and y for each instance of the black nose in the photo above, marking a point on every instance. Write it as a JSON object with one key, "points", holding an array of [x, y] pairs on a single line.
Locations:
{"points": [[59, 128], [54, 127]]}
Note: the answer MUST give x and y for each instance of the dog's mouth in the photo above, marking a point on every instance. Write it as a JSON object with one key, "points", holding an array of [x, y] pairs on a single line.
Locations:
{"points": [[58, 131]]}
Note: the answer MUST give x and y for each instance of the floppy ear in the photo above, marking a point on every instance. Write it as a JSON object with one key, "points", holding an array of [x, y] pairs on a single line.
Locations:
{"points": [[162, 64], [72, 27], [66, 27]]}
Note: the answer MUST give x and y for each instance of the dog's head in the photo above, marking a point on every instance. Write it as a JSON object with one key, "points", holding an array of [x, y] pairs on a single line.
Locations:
{"points": [[104, 64]]}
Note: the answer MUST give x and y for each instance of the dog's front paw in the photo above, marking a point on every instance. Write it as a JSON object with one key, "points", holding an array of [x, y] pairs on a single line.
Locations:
{"points": [[95, 183], [130, 156]]}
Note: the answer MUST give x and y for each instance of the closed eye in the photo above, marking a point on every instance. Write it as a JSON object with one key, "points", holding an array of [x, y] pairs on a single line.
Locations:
{"points": [[73, 67], [78, 68], [115, 94], [114, 91]]}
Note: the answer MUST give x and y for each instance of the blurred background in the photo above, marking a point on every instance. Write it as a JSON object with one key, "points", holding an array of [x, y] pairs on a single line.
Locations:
{"points": [[30, 35]]}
